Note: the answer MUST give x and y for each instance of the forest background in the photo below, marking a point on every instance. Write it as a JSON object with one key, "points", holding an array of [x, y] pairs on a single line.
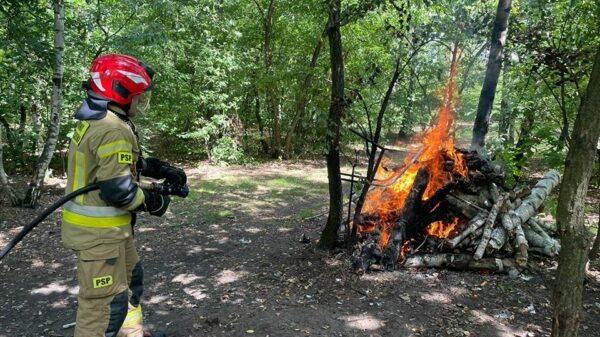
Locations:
{"points": [[240, 82]]}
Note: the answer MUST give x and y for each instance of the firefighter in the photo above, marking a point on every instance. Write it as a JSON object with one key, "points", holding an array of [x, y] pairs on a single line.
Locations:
{"points": [[98, 225]]}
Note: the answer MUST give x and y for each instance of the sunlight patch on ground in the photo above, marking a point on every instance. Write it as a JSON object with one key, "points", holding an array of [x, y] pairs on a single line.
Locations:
{"points": [[503, 330], [156, 299], [437, 297], [283, 229], [457, 291], [186, 279], [332, 262], [253, 230], [54, 287], [145, 229], [198, 293], [194, 250], [60, 304], [223, 240], [56, 265], [381, 277], [229, 276], [363, 322], [37, 263]]}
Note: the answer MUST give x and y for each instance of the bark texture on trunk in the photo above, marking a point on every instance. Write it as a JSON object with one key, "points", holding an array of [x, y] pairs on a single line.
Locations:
{"points": [[33, 193], [272, 99], [36, 120], [568, 288], [505, 124], [336, 109], [492, 73], [4, 184]]}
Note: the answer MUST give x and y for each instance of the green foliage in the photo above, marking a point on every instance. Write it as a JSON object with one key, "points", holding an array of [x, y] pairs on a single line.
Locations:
{"points": [[210, 87], [226, 151]]}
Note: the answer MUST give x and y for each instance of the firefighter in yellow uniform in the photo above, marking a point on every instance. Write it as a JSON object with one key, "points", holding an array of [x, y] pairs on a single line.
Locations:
{"points": [[98, 225]]}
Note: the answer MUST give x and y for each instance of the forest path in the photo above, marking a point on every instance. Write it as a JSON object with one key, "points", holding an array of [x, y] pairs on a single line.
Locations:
{"points": [[227, 261]]}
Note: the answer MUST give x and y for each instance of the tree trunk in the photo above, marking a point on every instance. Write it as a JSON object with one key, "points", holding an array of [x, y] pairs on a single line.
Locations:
{"points": [[494, 64], [568, 288], [303, 96], [596, 246], [272, 100], [336, 109], [4, 185], [33, 193], [505, 124], [36, 120], [261, 127], [19, 151]]}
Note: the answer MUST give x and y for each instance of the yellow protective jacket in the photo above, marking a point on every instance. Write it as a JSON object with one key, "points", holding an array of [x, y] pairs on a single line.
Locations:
{"points": [[102, 150]]}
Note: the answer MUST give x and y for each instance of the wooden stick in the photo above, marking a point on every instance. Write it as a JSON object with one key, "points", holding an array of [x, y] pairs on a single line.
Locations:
{"points": [[489, 225], [522, 245], [459, 261], [498, 238], [472, 226], [548, 227]]}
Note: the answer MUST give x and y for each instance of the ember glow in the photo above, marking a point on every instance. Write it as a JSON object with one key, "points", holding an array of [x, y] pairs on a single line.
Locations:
{"points": [[436, 152]]}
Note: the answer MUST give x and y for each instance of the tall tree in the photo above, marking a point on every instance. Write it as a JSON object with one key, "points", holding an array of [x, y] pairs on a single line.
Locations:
{"points": [[33, 193], [303, 96], [568, 288], [5, 188], [271, 86], [336, 109], [492, 73]]}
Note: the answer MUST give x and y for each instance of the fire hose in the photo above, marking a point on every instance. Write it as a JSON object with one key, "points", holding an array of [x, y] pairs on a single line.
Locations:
{"points": [[164, 189]]}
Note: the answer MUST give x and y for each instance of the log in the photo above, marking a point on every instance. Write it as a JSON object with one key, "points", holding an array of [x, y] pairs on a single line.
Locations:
{"points": [[472, 226], [407, 223], [548, 227], [522, 245], [459, 261], [498, 238], [539, 192], [507, 223], [463, 206], [472, 240], [548, 245], [489, 225], [369, 251]]}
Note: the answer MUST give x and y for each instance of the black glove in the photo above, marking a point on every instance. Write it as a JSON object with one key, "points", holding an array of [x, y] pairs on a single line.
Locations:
{"points": [[158, 169], [174, 176], [154, 203]]}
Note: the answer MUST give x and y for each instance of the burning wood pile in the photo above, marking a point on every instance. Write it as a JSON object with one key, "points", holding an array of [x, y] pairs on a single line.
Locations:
{"points": [[447, 207]]}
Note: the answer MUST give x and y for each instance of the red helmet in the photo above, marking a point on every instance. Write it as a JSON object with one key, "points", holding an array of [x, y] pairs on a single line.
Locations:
{"points": [[119, 77]]}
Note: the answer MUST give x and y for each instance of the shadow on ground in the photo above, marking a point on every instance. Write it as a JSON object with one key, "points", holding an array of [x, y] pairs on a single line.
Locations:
{"points": [[227, 261]]}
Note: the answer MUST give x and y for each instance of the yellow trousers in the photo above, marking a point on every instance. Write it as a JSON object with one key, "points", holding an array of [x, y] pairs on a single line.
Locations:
{"points": [[110, 279]]}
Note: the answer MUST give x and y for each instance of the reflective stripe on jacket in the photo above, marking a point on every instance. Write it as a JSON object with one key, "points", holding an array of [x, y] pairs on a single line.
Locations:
{"points": [[103, 151]]}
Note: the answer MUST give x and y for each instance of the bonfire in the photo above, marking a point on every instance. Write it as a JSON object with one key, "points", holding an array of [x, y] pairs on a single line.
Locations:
{"points": [[449, 207]]}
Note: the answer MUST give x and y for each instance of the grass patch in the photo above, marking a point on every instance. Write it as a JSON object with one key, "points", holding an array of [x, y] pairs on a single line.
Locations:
{"points": [[307, 212], [214, 215]]}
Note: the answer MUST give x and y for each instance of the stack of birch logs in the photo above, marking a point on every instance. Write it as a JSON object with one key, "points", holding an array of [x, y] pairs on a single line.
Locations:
{"points": [[499, 225], [510, 228]]}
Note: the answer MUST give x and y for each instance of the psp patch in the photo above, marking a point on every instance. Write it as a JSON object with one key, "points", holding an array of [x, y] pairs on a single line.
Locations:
{"points": [[102, 281], [125, 157], [80, 130]]}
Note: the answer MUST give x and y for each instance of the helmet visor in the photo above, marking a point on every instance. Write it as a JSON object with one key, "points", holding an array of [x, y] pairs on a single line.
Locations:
{"points": [[143, 105]]}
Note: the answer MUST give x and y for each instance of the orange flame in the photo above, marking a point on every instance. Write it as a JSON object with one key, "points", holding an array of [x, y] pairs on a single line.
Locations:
{"points": [[442, 229], [436, 153]]}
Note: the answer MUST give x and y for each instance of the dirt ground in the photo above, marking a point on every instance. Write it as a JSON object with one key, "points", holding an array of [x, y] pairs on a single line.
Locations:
{"points": [[228, 261]]}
